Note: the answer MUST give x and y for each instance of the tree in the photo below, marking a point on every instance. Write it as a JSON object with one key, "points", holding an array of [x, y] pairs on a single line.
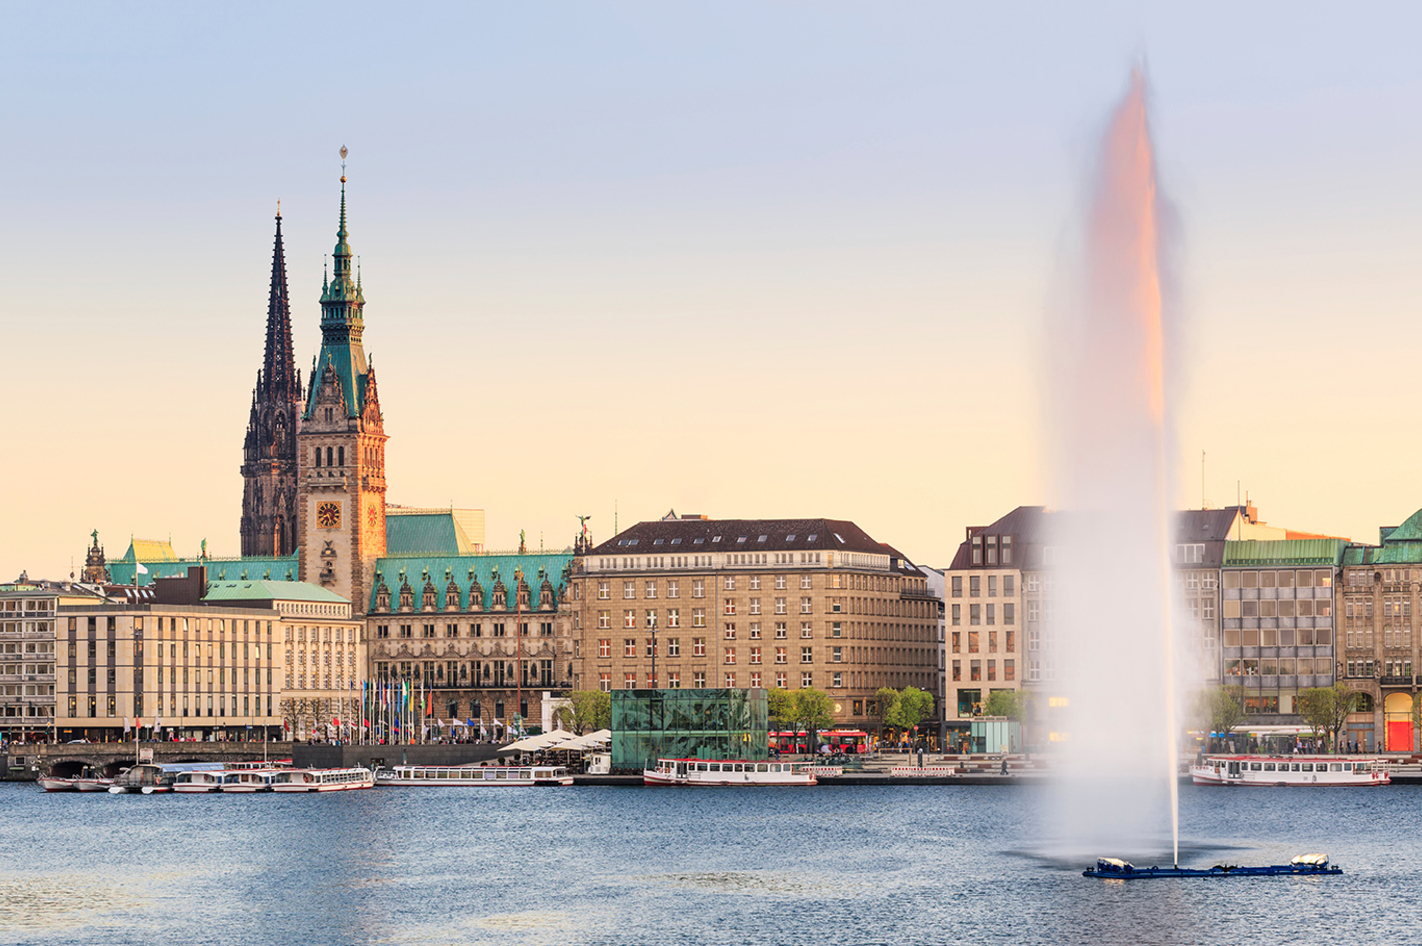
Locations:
{"points": [[912, 707], [780, 707], [811, 710], [1220, 708], [1007, 703], [1326, 708], [886, 699], [586, 711]]}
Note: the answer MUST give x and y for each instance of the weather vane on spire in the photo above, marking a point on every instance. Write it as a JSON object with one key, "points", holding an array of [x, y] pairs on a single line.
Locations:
{"points": [[344, 152]]}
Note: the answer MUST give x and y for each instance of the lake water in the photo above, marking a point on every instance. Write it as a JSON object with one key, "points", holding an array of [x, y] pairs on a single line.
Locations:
{"points": [[623, 865]]}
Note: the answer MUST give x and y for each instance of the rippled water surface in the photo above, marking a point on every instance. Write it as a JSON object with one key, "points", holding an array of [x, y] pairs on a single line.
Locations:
{"points": [[622, 865]]}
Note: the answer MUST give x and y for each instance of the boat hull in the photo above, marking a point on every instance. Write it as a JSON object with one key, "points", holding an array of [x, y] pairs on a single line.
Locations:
{"points": [[51, 784], [1148, 873], [692, 773]]}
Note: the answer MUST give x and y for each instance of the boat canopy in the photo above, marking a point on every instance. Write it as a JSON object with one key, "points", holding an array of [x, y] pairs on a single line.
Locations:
{"points": [[1113, 862], [1314, 860]]}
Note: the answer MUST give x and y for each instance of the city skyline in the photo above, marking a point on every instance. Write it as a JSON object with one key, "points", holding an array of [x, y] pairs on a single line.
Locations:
{"points": [[824, 246]]}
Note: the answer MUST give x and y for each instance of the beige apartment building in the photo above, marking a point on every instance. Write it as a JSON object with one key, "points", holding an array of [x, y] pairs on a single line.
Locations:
{"points": [[28, 615], [789, 603], [227, 660]]}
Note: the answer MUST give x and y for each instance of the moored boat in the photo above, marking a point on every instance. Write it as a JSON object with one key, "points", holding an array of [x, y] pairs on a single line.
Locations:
{"points": [[246, 781], [728, 772], [492, 776], [1280, 771], [149, 778], [322, 780], [55, 783], [197, 783], [92, 779]]}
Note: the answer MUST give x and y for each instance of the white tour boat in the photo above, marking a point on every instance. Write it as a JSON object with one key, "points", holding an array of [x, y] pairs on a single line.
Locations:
{"points": [[248, 780], [1289, 770], [197, 783], [493, 776], [323, 780], [729, 772], [149, 778]]}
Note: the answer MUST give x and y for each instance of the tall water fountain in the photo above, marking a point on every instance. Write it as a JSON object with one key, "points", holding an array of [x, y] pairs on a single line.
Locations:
{"points": [[1108, 653]]}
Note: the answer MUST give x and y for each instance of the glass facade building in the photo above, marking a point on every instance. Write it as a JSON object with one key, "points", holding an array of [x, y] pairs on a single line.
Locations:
{"points": [[688, 724]]}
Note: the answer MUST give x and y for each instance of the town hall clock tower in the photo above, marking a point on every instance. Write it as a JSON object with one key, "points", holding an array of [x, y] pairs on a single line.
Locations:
{"points": [[341, 494]]}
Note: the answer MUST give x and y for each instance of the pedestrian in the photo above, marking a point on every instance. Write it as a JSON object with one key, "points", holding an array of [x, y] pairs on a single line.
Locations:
{"points": [[1004, 765]]}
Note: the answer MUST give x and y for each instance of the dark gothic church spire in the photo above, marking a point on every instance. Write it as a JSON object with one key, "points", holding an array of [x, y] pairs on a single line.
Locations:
{"points": [[279, 380], [269, 452]]}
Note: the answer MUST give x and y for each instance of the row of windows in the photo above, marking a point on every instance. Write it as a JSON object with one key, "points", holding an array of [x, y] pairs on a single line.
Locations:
{"points": [[496, 629], [1277, 637], [977, 613], [217, 708], [1271, 666], [1009, 641], [729, 680], [975, 586], [976, 668], [1391, 637], [1288, 578], [1384, 668], [986, 550], [1283, 608]]}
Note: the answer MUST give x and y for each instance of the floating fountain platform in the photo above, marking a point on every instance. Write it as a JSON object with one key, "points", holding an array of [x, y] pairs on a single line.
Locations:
{"points": [[1306, 865]]}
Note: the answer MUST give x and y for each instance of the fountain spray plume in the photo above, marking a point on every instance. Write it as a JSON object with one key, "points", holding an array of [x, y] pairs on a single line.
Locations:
{"points": [[1109, 652]]}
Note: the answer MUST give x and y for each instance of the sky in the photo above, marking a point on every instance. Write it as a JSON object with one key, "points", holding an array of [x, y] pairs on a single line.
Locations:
{"points": [[745, 260]]}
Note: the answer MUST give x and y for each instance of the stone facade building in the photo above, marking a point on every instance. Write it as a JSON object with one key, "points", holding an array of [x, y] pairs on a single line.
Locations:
{"points": [[1379, 594], [29, 616], [485, 636], [738, 603]]}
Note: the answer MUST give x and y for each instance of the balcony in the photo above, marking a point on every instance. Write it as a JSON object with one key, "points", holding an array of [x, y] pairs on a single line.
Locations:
{"points": [[1395, 681]]}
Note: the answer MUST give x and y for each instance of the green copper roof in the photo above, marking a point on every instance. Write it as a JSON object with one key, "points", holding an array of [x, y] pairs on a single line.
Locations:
{"points": [[262, 590], [342, 324], [1262, 552], [425, 534], [280, 568], [1409, 531], [445, 568]]}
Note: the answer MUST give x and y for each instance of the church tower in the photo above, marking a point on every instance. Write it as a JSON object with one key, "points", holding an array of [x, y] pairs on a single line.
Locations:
{"points": [[341, 499], [269, 453]]}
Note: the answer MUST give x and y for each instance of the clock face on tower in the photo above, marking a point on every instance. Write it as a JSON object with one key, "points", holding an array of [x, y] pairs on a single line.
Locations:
{"points": [[328, 515], [371, 516]]}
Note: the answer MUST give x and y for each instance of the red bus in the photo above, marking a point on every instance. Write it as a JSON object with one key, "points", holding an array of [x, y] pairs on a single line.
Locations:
{"points": [[845, 741]]}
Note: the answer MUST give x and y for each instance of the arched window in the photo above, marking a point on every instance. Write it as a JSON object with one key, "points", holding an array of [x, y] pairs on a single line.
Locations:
{"points": [[329, 455], [340, 456], [318, 457]]}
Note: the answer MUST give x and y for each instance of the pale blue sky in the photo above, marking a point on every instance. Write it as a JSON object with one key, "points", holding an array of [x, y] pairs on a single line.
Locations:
{"points": [[609, 244]]}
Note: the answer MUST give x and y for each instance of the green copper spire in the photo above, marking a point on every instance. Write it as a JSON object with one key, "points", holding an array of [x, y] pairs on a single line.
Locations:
{"points": [[342, 323]]}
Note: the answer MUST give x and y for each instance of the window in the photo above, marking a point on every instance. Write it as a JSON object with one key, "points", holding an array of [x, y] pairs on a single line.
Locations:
{"points": [[957, 586], [603, 590], [780, 657], [673, 589], [698, 647], [698, 588], [780, 606], [629, 680], [779, 582], [780, 630], [975, 586], [755, 655], [604, 619], [807, 655], [755, 606], [807, 680], [629, 647], [629, 589], [650, 618], [730, 606], [804, 605], [673, 617], [992, 586], [975, 614], [698, 679], [806, 582], [806, 629], [730, 583], [730, 681], [1010, 641], [992, 614], [730, 655], [698, 617], [837, 654], [730, 631], [957, 615], [1009, 614], [673, 647]]}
